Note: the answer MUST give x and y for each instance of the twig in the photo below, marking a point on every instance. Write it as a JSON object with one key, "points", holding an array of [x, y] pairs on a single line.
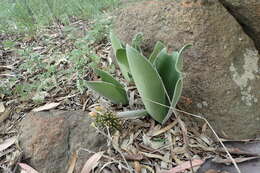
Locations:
{"points": [[105, 156], [7, 75], [185, 137], [105, 165], [4, 67], [166, 128], [115, 147], [211, 128]]}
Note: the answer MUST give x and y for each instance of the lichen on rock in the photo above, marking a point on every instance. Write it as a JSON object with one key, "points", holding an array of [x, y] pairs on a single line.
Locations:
{"points": [[250, 69]]}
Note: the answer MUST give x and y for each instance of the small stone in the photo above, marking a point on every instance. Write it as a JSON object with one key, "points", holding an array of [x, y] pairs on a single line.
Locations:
{"points": [[204, 103], [48, 139], [199, 105]]}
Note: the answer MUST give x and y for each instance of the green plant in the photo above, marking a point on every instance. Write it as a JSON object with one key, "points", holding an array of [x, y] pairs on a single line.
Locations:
{"points": [[120, 54], [158, 78], [105, 119], [29, 15], [109, 88]]}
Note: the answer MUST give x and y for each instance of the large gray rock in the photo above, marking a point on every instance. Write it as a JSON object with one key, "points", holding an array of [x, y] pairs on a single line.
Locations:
{"points": [[247, 13], [222, 67], [48, 140]]}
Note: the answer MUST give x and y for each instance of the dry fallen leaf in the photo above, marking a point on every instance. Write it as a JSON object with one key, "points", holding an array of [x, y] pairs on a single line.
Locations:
{"points": [[153, 144], [26, 168], [46, 107], [72, 162], [5, 114], [163, 130], [184, 166], [155, 156], [137, 167], [2, 96], [2, 107], [7, 143], [249, 165], [251, 148], [92, 162], [40, 96]]}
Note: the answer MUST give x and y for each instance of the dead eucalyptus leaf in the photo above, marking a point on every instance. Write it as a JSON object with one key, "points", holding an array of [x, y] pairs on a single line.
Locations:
{"points": [[137, 167], [72, 162], [135, 157], [40, 96], [2, 96], [92, 162], [251, 165], [184, 166], [7, 143], [166, 128], [5, 115], [238, 160], [2, 107], [46, 107], [155, 156], [153, 144], [26, 168]]}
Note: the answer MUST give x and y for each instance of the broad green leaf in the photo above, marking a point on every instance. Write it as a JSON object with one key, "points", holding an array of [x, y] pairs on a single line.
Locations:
{"points": [[123, 63], [179, 84], [116, 43], [148, 83], [177, 92], [157, 49], [179, 64], [137, 41], [176, 97], [116, 94], [165, 65], [106, 77]]}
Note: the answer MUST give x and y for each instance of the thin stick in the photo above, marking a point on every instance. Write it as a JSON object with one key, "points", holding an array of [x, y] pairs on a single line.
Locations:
{"points": [[211, 128], [105, 156], [118, 150], [185, 137]]}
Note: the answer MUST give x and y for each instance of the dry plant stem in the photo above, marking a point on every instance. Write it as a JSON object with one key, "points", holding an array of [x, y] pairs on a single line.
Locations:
{"points": [[185, 136], [99, 131], [5, 115], [105, 165], [154, 156], [6, 169], [7, 75], [166, 128], [211, 128], [148, 167], [6, 67], [105, 156], [118, 150]]}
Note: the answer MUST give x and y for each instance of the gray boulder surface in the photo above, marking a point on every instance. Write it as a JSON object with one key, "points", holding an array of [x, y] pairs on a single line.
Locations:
{"points": [[48, 140], [221, 69], [247, 13]]}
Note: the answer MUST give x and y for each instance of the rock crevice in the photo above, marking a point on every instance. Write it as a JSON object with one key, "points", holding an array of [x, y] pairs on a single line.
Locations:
{"points": [[247, 13]]}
